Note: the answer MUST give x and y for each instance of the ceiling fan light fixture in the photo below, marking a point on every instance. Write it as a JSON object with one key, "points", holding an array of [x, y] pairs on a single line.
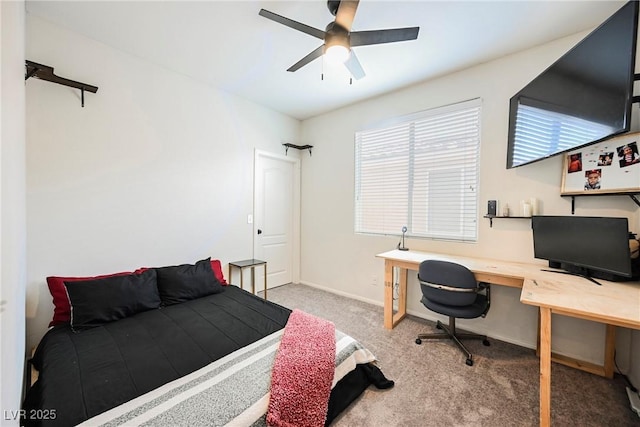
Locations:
{"points": [[337, 53], [338, 36], [337, 45]]}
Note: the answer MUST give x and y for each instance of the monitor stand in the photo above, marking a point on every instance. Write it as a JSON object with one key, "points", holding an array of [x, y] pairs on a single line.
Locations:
{"points": [[586, 276], [591, 275]]}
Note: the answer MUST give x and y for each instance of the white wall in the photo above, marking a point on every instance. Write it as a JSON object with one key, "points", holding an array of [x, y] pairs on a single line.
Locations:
{"points": [[335, 258], [12, 209], [156, 169]]}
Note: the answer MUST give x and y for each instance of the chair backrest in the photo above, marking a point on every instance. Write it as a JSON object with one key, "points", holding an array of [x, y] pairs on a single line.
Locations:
{"points": [[447, 274]]}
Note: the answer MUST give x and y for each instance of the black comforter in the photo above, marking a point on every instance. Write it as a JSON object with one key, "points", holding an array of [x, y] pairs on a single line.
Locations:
{"points": [[82, 374]]}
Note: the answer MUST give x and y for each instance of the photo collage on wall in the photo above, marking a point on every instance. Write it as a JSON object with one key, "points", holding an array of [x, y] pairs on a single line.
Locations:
{"points": [[612, 165]]}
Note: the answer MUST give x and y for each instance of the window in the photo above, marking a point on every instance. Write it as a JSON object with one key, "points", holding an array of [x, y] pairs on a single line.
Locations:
{"points": [[421, 171]]}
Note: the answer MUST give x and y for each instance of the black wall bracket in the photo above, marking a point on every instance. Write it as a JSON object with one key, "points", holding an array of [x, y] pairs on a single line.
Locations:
{"points": [[635, 99], [44, 72], [297, 147], [632, 196]]}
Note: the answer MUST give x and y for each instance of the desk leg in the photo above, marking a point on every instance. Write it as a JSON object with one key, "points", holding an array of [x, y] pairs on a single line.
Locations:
{"points": [[253, 280], [388, 294], [545, 366], [604, 370], [391, 319], [265, 280], [402, 296]]}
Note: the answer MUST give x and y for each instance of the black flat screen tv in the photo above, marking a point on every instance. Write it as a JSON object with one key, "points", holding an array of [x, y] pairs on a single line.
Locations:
{"points": [[587, 246], [582, 98]]}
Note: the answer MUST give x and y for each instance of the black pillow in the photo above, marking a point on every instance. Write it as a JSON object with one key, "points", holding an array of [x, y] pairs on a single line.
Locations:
{"points": [[99, 301], [185, 282]]}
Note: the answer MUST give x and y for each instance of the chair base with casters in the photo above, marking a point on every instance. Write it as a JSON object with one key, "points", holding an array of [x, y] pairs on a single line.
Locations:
{"points": [[451, 333]]}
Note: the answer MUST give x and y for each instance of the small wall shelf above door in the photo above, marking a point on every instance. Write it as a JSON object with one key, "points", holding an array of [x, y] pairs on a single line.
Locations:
{"points": [[297, 147]]}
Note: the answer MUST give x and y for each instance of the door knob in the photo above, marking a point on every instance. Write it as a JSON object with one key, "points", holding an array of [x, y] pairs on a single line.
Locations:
{"points": [[259, 231]]}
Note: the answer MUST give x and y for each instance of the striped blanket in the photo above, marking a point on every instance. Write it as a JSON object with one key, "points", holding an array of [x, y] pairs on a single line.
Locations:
{"points": [[231, 391]]}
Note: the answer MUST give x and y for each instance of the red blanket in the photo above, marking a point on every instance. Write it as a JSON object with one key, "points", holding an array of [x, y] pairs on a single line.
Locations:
{"points": [[302, 372]]}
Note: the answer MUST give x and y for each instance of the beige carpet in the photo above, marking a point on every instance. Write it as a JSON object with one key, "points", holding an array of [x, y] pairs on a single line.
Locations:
{"points": [[434, 386]]}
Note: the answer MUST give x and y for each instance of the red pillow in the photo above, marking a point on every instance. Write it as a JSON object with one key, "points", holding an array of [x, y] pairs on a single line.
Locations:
{"points": [[62, 309], [217, 271]]}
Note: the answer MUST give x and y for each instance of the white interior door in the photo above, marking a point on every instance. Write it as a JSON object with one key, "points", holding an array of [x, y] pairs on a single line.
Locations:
{"points": [[277, 217]]}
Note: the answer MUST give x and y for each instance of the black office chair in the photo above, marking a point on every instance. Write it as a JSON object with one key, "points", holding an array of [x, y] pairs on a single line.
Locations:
{"points": [[451, 289]]}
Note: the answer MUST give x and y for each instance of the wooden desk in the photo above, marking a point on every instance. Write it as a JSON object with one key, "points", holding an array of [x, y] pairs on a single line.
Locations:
{"points": [[616, 304], [503, 273]]}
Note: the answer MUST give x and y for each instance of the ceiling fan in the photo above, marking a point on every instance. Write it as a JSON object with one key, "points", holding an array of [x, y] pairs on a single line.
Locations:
{"points": [[338, 37]]}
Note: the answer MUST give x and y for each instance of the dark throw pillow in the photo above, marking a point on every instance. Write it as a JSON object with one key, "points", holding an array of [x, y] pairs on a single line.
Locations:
{"points": [[185, 282], [62, 309], [96, 302]]}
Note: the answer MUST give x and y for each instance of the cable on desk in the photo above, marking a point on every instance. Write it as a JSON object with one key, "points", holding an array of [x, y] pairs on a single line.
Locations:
{"points": [[396, 293], [627, 380]]}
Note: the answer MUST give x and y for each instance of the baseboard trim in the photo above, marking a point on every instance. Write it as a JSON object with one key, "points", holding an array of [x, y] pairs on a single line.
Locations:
{"points": [[434, 318], [422, 315], [341, 293]]}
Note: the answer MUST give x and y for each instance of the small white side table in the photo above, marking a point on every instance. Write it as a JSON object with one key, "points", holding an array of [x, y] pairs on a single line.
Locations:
{"points": [[250, 263]]}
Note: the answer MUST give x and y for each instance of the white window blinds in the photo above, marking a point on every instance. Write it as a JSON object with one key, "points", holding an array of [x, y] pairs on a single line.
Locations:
{"points": [[420, 172]]}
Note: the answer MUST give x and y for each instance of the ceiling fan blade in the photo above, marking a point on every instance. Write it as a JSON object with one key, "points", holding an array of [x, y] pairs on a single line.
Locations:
{"points": [[354, 67], [346, 13], [292, 24], [317, 53], [363, 38]]}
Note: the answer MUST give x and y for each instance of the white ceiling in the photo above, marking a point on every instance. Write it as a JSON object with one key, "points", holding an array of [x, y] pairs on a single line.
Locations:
{"points": [[228, 45]]}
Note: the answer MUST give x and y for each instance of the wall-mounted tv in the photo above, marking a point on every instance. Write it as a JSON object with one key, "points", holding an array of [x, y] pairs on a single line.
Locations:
{"points": [[582, 98], [583, 245]]}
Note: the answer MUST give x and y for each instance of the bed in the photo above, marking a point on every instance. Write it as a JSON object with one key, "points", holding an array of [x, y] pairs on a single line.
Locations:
{"points": [[188, 351]]}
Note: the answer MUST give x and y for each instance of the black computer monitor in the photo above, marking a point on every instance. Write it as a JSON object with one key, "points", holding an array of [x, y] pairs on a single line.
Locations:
{"points": [[587, 246]]}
